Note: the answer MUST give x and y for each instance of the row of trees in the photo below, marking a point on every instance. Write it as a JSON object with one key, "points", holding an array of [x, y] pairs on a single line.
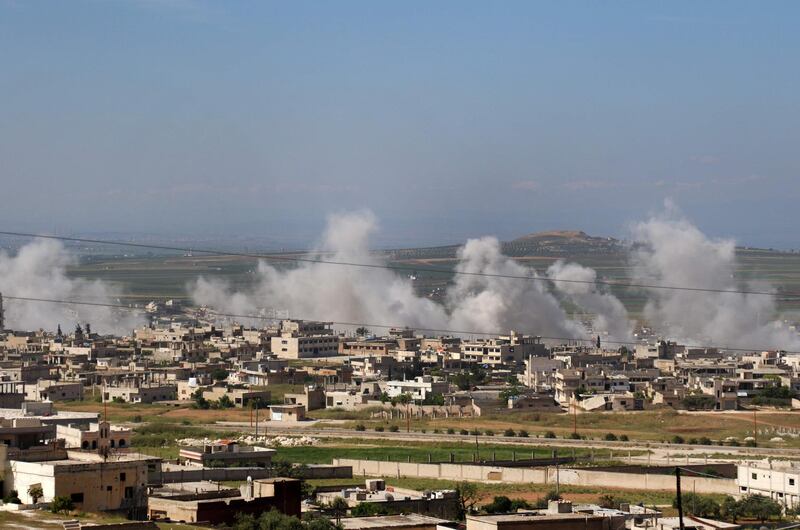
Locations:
{"points": [[275, 520], [751, 507]]}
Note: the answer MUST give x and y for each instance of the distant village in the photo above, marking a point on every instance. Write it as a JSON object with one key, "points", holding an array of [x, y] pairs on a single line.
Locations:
{"points": [[85, 461]]}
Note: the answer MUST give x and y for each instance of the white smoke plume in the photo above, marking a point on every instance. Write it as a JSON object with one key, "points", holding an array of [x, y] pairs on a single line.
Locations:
{"points": [[609, 314], [317, 291], [39, 270], [381, 296], [670, 251]]}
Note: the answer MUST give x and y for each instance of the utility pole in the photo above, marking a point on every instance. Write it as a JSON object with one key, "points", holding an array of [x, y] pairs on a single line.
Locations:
{"points": [[256, 422], [678, 497]]}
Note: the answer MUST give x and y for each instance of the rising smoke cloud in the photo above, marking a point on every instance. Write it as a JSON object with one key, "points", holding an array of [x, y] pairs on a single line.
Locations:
{"points": [[608, 312], [381, 296], [668, 250], [671, 251], [39, 270]]}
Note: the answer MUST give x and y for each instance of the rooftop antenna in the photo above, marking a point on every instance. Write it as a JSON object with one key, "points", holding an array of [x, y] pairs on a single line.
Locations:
{"points": [[2, 314]]}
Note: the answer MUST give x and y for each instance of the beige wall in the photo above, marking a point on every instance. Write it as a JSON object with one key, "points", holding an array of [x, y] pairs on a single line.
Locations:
{"points": [[548, 475]]}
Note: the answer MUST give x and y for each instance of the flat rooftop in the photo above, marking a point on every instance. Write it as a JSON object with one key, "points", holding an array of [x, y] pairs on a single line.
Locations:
{"points": [[529, 516], [60, 415], [389, 521]]}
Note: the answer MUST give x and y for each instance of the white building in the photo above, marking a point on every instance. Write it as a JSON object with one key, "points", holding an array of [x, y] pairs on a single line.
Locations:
{"points": [[778, 481], [418, 388]]}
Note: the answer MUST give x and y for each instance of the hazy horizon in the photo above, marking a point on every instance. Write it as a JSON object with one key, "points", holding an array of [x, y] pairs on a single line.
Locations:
{"points": [[451, 120]]}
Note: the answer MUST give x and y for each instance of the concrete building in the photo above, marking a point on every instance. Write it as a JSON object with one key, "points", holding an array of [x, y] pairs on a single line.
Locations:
{"points": [[206, 502], [305, 339], [48, 390], [100, 436], [240, 397], [418, 388], [145, 393], [312, 398], [502, 350], [778, 481], [288, 413], [227, 453], [92, 482], [442, 503]]}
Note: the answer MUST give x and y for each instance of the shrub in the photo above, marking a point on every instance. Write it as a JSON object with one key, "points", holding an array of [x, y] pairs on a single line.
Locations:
{"points": [[451, 430], [12, 498], [549, 434], [437, 431], [510, 433], [750, 443], [361, 427], [522, 433], [623, 438], [475, 432], [704, 440], [574, 436], [611, 437], [62, 504], [503, 504], [137, 419], [379, 428], [394, 428], [677, 439], [608, 501], [36, 492], [463, 432], [698, 505], [489, 432]]}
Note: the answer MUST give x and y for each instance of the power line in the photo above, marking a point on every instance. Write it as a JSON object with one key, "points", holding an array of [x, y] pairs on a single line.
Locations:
{"points": [[374, 325], [407, 269]]}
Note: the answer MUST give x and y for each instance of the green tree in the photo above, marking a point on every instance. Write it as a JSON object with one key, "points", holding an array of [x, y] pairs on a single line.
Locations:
{"points": [[467, 494], [219, 374], [730, 509], [225, 402], [62, 504], [35, 491], [337, 507], [508, 393], [362, 331], [199, 401], [698, 505], [760, 507]]}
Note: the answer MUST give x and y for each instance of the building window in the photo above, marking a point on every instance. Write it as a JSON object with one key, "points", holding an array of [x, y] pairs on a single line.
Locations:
{"points": [[108, 488], [754, 476], [129, 492], [76, 497], [122, 477], [791, 482]]}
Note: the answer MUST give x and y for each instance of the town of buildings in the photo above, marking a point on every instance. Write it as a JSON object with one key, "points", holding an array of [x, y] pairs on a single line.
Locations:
{"points": [[49, 452]]}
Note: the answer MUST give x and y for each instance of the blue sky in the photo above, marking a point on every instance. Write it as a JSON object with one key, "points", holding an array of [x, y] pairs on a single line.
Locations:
{"points": [[448, 119]]}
